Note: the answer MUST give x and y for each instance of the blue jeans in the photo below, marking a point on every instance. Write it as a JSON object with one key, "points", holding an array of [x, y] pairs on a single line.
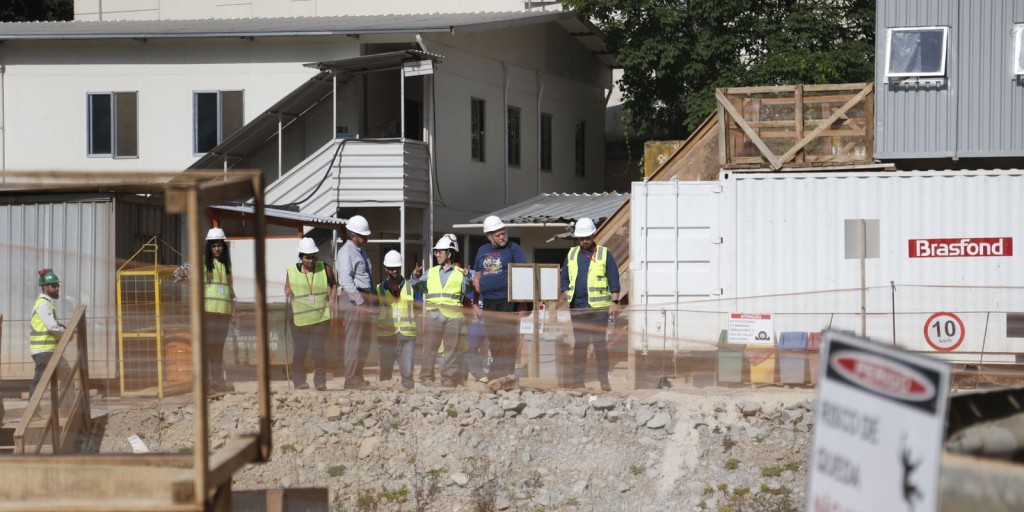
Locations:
{"points": [[309, 337]]}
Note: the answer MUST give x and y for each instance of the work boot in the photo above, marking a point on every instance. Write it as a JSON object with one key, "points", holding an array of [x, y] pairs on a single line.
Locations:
{"points": [[606, 386]]}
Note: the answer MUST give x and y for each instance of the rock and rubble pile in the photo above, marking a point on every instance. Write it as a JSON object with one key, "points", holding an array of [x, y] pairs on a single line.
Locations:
{"points": [[383, 449]]}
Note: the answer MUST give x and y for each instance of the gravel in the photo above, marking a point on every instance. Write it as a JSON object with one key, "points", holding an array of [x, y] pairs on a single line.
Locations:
{"points": [[473, 450]]}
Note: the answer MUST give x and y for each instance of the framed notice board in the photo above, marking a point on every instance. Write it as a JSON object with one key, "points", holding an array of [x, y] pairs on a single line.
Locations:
{"points": [[523, 277]]}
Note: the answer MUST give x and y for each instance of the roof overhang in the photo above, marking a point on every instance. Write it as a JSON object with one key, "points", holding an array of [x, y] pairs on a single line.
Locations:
{"points": [[277, 217], [555, 210], [257, 133]]}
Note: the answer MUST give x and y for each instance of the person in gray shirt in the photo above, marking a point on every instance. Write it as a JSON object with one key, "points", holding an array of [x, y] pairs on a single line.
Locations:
{"points": [[355, 278]]}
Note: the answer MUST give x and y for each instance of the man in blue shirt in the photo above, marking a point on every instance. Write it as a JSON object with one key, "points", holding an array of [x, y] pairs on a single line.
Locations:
{"points": [[491, 281], [590, 283]]}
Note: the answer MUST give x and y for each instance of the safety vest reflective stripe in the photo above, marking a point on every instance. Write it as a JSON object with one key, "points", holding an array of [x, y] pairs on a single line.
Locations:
{"points": [[309, 301], [598, 293], [40, 338], [400, 317], [447, 297], [218, 290]]}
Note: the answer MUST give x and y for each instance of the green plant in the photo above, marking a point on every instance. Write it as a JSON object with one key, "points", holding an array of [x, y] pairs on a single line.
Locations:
{"points": [[771, 471], [759, 439], [288, 448], [397, 496], [534, 481], [367, 500], [185, 450], [636, 470], [723, 487], [703, 505], [708, 491], [741, 491], [437, 472], [792, 466], [572, 502], [336, 470], [732, 464], [781, 491], [452, 413]]}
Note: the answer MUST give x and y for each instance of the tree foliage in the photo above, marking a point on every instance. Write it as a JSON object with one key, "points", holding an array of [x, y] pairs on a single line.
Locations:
{"points": [[37, 10], [675, 53]]}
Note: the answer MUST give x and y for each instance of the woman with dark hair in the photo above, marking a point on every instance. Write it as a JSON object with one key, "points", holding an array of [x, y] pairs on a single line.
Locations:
{"points": [[219, 306]]}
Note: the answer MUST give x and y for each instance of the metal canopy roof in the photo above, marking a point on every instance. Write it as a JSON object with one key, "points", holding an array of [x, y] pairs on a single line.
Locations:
{"points": [[280, 217], [557, 209], [263, 129], [453, 23], [450, 23]]}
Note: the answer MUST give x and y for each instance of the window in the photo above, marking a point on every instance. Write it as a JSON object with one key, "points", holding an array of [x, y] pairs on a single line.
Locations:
{"points": [[581, 148], [113, 124], [476, 128], [513, 135], [914, 52], [215, 116], [545, 142], [1018, 50]]}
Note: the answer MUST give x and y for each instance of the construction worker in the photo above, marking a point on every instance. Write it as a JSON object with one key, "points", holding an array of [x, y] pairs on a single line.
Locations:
{"points": [[491, 281], [396, 321], [219, 305], [355, 277], [312, 290], [46, 330], [445, 287], [590, 279]]}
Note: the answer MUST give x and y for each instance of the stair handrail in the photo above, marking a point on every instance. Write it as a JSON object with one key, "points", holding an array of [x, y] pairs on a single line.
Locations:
{"points": [[61, 434]]}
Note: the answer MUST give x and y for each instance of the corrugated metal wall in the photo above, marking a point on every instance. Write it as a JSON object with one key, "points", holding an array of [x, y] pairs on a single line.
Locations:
{"points": [[977, 112], [991, 109], [913, 122], [84, 239], [74, 238]]}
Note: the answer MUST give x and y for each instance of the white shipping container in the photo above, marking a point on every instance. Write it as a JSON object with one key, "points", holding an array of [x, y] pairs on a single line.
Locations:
{"points": [[789, 244]]}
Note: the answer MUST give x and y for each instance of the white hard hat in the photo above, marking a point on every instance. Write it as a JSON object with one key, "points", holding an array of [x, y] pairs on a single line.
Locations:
{"points": [[308, 246], [358, 225], [584, 228], [215, 234], [492, 223], [393, 259], [447, 242]]}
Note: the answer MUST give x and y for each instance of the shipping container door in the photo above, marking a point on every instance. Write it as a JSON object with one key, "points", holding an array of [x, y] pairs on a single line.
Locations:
{"points": [[675, 248]]}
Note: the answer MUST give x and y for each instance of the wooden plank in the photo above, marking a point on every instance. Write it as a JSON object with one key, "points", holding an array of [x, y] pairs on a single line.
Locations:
{"points": [[798, 115], [837, 87], [835, 115], [723, 155], [735, 91], [869, 126], [263, 353], [772, 159], [200, 430]]}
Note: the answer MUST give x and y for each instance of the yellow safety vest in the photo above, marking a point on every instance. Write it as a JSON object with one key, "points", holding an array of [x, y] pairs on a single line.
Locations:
{"points": [[218, 290], [447, 298], [310, 293], [598, 294], [40, 338], [397, 314]]}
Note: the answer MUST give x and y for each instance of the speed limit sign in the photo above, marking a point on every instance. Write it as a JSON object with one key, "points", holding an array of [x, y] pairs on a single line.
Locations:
{"points": [[944, 331]]}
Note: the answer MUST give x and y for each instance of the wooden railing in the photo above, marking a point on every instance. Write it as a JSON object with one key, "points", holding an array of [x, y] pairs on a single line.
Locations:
{"points": [[794, 126], [58, 410]]}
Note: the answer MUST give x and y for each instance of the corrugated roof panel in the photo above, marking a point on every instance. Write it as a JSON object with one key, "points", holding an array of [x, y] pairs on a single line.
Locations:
{"points": [[560, 208], [270, 27]]}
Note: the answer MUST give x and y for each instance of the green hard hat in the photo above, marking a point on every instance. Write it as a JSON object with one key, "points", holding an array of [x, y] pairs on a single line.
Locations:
{"points": [[46, 276]]}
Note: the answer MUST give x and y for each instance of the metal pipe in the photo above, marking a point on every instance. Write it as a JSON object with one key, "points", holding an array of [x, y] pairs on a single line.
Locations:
{"points": [[280, 147], [504, 127], [334, 100], [540, 122], [512, 225], [3, 124], [401, 103]]}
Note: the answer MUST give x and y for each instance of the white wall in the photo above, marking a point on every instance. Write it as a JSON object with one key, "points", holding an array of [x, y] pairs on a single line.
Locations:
{"points": [[198, 9], [574, 86], [46, 85]]}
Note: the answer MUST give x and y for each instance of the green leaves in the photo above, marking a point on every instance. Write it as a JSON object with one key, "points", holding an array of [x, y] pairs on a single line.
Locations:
{"points": [[675, 53]]}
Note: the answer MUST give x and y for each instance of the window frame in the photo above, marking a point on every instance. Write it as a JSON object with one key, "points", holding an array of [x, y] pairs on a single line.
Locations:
{"points": [[477, 129], [114, 116], [514, 136], [220, 117], [580, 148], [941, 73], [1018, 49], [547, 122]]}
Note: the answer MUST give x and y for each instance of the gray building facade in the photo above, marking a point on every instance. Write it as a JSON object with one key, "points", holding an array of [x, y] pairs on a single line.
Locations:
{"points": [[949, 82]]}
